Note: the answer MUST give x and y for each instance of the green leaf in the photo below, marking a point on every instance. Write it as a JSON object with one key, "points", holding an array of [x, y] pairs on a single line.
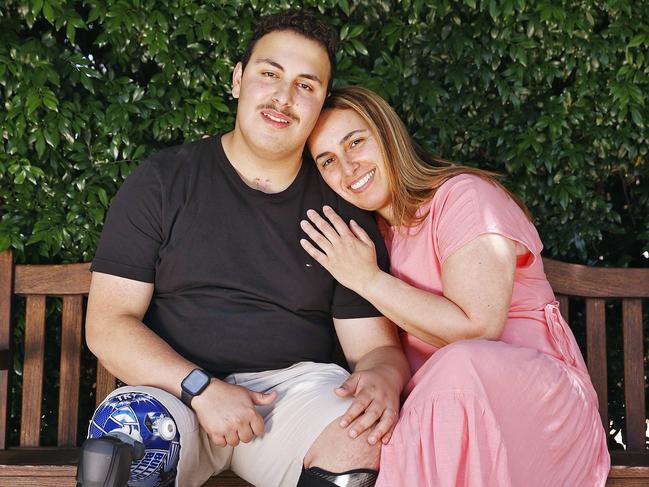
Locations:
{"points": [[70, 32], [356, 31], [33, 101], [637, 117], [36, 7], [103, 197], [344, 31], [49, 100], [5, 241], [344, 6], [51, 137], [20, 177], [40, 144], [636, 41], [359, 47], [94, 14], [65, 132], [48, 12], [493, 9]]}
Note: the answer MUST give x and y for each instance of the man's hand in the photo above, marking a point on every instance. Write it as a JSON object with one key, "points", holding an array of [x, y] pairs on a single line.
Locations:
{"points": [[376, 403], [227, 412]]}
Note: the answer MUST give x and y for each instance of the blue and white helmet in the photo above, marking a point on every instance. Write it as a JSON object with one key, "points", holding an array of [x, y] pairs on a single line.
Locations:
{"points": [[144, 419]]}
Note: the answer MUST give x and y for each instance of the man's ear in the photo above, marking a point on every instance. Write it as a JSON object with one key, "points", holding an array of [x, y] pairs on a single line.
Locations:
{"points": [[236, 80]]}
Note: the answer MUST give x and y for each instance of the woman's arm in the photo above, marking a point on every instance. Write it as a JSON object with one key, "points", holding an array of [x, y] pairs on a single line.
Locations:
{"points": [[477, 281]]}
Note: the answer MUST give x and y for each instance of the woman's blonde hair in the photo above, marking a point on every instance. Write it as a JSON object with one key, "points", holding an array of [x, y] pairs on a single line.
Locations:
{"points": [[413, 175]]}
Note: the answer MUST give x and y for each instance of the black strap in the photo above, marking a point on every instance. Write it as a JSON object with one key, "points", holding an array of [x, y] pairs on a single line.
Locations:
{"points": [[318, 477]]}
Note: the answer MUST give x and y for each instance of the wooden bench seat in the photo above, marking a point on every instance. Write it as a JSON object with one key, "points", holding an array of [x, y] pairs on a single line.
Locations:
{"points": [[31, 464]]}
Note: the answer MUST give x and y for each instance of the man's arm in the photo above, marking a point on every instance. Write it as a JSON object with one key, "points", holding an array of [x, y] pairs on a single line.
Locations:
{"points": [[136, 355], [124, 345], [380, 371]]}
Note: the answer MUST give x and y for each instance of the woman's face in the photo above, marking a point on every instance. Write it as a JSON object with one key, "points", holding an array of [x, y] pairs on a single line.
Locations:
{"points": [[349, 159]]}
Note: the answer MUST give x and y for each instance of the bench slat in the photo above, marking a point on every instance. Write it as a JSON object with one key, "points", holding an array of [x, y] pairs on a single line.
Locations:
{"points": [[596, 353], [106, 383], [70, 370], [596, 282], [564, 307], [52, 280], [30, 422], [634, 391], [6, 285]]}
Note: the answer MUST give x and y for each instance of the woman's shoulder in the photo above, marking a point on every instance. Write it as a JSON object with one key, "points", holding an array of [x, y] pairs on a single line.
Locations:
{"points": [[468, 186]]}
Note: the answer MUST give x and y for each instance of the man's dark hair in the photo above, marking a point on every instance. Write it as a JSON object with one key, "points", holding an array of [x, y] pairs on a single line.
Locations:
{"points": [[305, 23]]}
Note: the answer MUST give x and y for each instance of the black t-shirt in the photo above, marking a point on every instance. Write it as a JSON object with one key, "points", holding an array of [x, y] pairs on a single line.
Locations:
{"points": [[233, 289]]}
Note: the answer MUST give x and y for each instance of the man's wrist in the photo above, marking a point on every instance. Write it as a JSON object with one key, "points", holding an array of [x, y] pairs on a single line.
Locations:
{"points": [[193, 385]]}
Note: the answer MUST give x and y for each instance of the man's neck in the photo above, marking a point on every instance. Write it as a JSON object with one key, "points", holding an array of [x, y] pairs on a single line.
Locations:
{"points": [[264, 171]]}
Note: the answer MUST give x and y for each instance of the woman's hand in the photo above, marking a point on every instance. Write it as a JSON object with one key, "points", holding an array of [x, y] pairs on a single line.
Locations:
{"points": [[347, 252]]}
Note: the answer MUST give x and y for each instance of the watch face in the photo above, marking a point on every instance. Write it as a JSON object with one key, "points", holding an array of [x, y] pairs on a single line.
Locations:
{"points": [[195, 381]]}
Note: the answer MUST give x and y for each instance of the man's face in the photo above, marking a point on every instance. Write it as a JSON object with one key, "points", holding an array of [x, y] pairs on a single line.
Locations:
{"points": [[281, 92]]}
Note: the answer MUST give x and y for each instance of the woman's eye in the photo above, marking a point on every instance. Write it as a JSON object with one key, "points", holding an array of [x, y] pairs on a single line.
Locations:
{"points": [[326, 162], [355, 142]]}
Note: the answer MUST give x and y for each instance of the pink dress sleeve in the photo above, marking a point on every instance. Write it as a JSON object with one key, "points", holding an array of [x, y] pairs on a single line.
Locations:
{"points": [[468, 206]]}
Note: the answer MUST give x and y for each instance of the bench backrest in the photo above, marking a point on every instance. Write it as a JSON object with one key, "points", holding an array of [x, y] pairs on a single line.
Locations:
{"points": [[72, 282], [597, 286]]}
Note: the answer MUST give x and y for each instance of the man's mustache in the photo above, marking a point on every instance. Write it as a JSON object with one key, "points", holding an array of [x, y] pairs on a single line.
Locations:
{"points": [[286, 113]]}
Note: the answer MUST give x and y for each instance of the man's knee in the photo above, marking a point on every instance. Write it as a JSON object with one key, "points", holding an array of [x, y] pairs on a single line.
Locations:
{"points": [[336, 459], [335, 451]]}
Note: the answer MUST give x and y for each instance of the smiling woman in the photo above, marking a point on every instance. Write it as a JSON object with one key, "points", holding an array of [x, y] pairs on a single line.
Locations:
{"points": [[353, 165], [494, 364]]}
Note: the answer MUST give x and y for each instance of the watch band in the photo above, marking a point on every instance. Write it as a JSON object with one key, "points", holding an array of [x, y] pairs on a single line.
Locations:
{"points": [[186, 398]]}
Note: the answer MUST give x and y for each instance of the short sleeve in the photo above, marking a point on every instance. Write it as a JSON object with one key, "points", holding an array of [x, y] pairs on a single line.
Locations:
{"points": [[132, 233], [468, 206], [346, 303]]}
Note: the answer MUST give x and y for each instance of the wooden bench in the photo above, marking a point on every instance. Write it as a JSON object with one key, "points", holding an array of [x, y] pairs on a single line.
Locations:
{"points": [[33, 464]]}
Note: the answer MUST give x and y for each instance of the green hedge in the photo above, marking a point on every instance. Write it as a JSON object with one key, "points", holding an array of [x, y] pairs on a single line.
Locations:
{"points": [[549, 93], [552, 94]]}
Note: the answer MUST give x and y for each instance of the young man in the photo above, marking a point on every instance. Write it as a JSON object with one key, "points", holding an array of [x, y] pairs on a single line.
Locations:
{"points": [[202, 292]]}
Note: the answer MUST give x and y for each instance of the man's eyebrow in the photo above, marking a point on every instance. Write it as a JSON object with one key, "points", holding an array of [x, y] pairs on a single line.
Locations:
{"points": [[269, 61], [275, 64], [342, 141]]}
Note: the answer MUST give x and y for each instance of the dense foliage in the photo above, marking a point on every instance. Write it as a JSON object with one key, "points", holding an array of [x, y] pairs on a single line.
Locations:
{"points": [[551, 93]]}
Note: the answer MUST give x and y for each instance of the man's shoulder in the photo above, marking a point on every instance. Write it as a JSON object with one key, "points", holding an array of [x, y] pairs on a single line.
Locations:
{"points": [[188, 153]]}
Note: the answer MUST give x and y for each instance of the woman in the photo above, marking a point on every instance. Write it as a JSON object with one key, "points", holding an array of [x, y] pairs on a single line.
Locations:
{"points": [[500, 395]]}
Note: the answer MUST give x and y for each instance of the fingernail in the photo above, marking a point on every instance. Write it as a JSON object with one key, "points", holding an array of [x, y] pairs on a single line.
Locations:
{"points": [[353, 433], [372, 440], [344, 423], [326, 208]]}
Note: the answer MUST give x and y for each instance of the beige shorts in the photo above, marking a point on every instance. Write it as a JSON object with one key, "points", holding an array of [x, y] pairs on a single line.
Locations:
{"points": [[306, 404]]}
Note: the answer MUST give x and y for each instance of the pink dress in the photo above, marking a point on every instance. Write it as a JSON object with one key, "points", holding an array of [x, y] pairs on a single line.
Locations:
{"points": [[516, 412]]}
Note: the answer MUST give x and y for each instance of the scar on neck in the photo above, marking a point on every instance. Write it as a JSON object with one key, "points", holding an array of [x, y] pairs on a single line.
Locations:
{"points": [[261, 184]]}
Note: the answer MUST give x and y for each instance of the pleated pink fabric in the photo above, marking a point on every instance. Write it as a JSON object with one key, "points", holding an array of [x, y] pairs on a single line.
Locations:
{"points": [[516, 412]]}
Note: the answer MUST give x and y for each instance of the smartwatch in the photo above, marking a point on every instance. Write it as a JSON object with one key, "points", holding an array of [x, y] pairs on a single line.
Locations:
{"points": [[192, 385]]}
